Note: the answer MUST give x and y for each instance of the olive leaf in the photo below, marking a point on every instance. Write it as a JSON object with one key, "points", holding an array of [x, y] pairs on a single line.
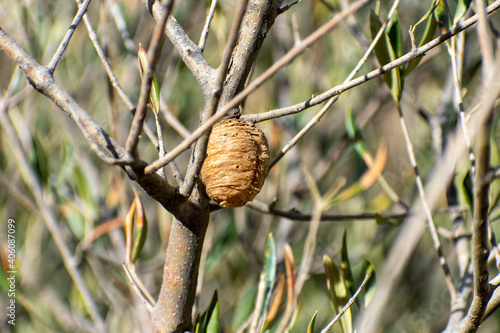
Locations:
{"points": [[154, 97], [338, 292], [135, 219], [385, 53], [141, 228], [310, 327]]}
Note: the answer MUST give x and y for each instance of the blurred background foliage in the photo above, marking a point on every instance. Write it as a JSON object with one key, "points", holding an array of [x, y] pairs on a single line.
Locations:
{"points": [[85, 193]]}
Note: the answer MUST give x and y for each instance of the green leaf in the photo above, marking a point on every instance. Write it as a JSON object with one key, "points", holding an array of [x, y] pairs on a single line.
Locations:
{"points": [[65, 166], [346, 266], [269, 269], [338, 293], [199, 322], [462, 7], [429, 13], [74, 219], [443, 15], [213, 315], [310, 328], [141, 228], [385, 54], [40, 162], [83, 186], [244, 306], [354, 134], [468, 190], [350, 124], [266, 283], [396, 37]]}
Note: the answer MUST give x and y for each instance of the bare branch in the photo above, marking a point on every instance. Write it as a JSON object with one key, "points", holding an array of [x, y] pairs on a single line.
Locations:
{"points": [[482, 289], [138, 287], [111, 75], [153, 55], [64, 43], [259, 18], [190, 53], [348, 305], [480, 252], [206, 28], [295, 215]]}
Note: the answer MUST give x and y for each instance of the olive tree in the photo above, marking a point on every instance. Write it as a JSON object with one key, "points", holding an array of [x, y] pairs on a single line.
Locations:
{"points": [[424, 100]]}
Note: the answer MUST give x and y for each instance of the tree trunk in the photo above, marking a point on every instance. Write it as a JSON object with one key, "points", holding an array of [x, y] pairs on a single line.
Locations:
{"points": [[180, 275]]}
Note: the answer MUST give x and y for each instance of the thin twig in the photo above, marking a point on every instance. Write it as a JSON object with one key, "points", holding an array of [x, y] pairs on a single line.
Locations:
{"points": [[122, 26], [492, 175], [161, 145], [201, 145], [153, 55], [206, 28], [141, 292], [190, 52], [337, 90], [312, 232], [114, 81], [348, 304], [105, 62], [240, 97], [82, 9], [332, 100], [427, 209], [482, 289], [295, 215], [494, 245], [172, 120], [456, 60]]}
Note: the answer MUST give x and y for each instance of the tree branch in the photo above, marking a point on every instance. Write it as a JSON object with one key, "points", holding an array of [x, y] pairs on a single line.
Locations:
{"points": [[190, 53], [64, 43], [480, 252], [258, 19], [42, 80], [172, 312], [100, 142], [337, 90], [199, 152], [241, 96], [296, 215], [140, 114]]}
